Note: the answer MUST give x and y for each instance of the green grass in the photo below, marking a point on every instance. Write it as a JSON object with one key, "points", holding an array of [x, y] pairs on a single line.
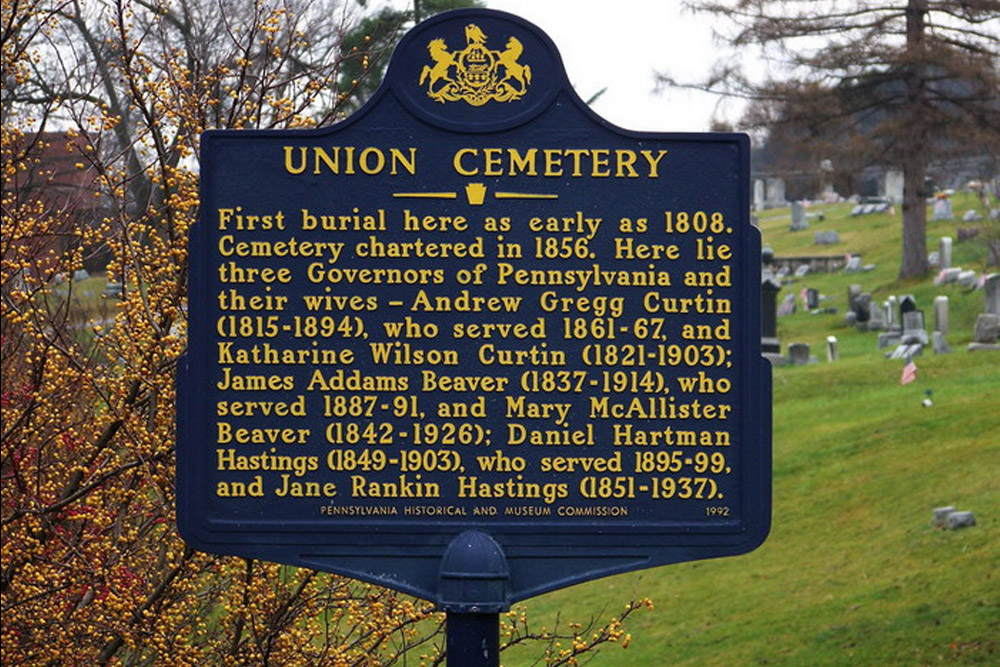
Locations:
{"points": [[852, 573]]}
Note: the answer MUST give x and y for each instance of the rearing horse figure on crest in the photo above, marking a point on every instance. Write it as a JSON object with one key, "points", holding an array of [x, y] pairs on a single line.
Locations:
{"points": [[442, 61], [515, 70]]}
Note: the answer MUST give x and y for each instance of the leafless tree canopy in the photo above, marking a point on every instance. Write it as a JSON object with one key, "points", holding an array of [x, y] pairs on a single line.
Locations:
{"points": [[894, 82]]}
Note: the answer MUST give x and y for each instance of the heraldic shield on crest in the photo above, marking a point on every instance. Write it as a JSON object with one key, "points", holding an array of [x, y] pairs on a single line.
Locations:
{"points": [[475, 74]]}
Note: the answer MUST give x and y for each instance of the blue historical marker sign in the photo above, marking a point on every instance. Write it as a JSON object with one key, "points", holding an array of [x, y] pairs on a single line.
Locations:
{"points": [[474, 332]]}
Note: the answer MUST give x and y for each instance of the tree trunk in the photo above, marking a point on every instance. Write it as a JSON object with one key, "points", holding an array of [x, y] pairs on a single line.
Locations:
{"points": [[914, 260], [913, 263]]}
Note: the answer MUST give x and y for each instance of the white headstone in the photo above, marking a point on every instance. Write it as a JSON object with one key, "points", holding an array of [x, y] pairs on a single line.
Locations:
{"points": [[775, 192], [944, 253], [798, 216], [968, 279], [991, 286], [942, 209], [894, 186], [941, 314]]}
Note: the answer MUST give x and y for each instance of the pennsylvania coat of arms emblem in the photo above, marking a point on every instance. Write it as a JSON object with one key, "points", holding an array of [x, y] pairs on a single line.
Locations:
{"points": [[475, 74]]}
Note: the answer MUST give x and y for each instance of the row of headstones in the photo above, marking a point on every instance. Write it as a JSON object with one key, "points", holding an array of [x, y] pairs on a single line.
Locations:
{"points": [[908, 330], [871, 208], [78, 276], [898, 321], [111, 289], [852, 265], [811, 301], [800, 271], [943, 212], [799, 353], [949, 274], [911, 336]]}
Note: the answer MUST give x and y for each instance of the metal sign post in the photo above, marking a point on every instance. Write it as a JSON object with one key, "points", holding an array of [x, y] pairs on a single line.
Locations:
{"points": [[473, 593]]}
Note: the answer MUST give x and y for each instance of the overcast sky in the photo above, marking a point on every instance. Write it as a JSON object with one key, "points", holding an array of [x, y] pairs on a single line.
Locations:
{"points": [[619, 44]]}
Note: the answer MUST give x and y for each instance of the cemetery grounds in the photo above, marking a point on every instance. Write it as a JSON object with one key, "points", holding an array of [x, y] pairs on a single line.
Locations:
{"points": [[853, 572]]}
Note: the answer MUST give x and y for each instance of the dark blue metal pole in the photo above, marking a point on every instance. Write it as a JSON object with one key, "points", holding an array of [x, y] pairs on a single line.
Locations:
{"points": [[473, 640], [473, 592]]}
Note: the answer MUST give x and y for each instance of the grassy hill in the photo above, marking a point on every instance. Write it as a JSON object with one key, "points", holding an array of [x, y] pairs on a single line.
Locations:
{"points": [[852, 573]]}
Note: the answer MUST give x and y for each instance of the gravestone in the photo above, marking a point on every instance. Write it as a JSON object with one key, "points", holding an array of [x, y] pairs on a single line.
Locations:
{"points": [[775, 188], [971, 216], [801, 270], [951, 275], [944, 252], [942, 210], [986, 331], [832, 353], [906, 304], [769, 316], [914, 330], [890, 312], [798, 216], [889, 339], [958, 520], [906, 351], [968, 279], [850, 319], [939, 343], [941, 314], [113, 290], [853, 292], [798, 353], [991, 288], [877, 322], [812, 298], [80, 274], [857, 210], [963, 234], [787, 305], [894, 185], [862, 308], [939, 515], [853, 264], [826, 238], [758, 194]]}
